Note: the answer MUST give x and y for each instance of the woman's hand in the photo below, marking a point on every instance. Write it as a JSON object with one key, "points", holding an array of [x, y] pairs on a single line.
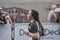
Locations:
{"points": [[35, 35], [44, 34], [26, 31]]}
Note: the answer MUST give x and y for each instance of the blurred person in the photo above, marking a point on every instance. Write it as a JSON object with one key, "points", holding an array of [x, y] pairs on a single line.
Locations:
{"points": [[52, 17], [7, 17], [2, 19], [8, 20], [32, 31]]}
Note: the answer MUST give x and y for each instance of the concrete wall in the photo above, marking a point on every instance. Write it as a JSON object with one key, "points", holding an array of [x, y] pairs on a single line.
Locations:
{"points": [[23, 1]]}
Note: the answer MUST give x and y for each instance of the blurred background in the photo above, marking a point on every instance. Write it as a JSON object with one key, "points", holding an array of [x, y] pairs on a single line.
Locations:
{"points": [[19, 8]]}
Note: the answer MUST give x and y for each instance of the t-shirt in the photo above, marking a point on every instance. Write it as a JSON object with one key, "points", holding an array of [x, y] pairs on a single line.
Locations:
{"points": [[7, 16], [52, 17], [33, 28]]}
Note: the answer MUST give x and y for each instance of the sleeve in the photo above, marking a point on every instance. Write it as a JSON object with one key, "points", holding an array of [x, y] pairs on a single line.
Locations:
{"points": [[55, 16], [7, 16], [49, 16], [34, 28]]}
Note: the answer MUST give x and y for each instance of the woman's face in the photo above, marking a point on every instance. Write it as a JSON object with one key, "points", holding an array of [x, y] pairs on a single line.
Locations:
{"points": [[54, 7], [29, 16]]}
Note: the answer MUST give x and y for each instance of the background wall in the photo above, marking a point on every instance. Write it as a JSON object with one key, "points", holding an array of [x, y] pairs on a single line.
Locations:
{"points": [[40, 5]]}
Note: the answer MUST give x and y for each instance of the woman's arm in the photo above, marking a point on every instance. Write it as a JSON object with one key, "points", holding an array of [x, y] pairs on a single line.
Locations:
{"points": [[1, 22], [10, 21], [33, 35]]}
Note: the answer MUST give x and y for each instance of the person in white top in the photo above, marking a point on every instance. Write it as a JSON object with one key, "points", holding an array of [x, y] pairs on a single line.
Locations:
{"points": [[52, 17], [6, 15], [8, 19]]}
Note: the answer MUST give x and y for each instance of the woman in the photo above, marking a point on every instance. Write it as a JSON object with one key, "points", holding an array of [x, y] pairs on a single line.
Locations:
{"points": [[32, 31], [2, 19], [7, 18], [52, 16]]}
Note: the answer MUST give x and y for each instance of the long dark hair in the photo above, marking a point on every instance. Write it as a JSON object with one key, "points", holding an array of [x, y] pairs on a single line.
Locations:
{"points": [[0, 13], [35, 15], [1, 16]]}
